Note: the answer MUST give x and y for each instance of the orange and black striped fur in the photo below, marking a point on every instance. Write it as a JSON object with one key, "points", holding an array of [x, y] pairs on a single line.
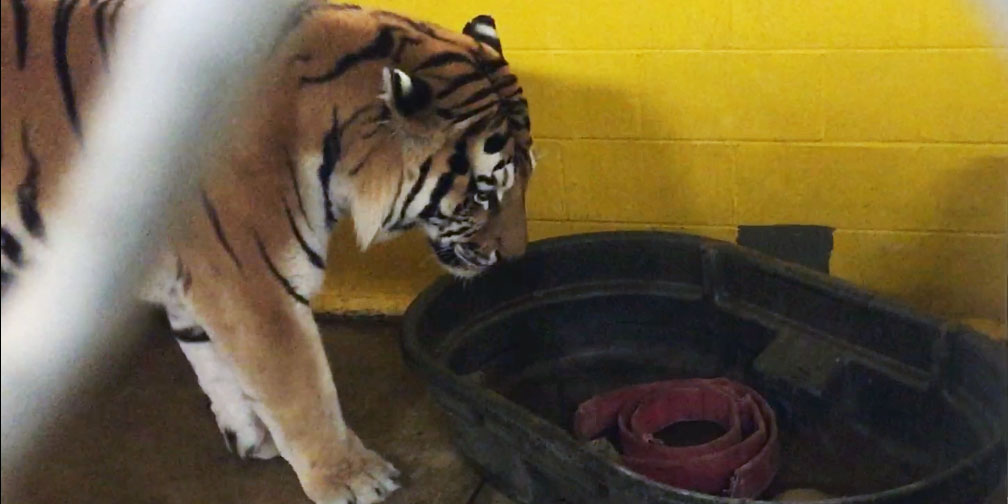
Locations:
{"points": [[358, 113]]}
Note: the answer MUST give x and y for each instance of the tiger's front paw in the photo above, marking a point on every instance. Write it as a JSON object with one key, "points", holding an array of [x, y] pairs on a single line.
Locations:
{"points": [[355, 476]]}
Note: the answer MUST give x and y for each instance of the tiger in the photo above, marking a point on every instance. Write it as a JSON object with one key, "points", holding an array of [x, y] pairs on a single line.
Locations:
{"points": [[361, 114]]}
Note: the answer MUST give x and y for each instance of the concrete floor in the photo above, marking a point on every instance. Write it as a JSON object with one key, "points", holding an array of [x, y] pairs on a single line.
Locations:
{"points": [[151, 439], [147, 436]]}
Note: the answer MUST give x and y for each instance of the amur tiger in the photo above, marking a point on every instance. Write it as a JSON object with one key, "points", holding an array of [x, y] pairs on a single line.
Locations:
{"points": [[361, 114]]}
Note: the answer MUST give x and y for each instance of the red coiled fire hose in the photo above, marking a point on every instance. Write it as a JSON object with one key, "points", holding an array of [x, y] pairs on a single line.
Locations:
{"points": [[740, 463]]}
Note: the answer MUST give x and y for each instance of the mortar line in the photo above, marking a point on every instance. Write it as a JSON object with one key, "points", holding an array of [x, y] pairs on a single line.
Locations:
{"points": [[799, 143]]}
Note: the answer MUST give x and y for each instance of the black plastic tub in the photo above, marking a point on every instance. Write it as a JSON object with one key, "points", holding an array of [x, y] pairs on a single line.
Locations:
{"points": [[876, 402]]}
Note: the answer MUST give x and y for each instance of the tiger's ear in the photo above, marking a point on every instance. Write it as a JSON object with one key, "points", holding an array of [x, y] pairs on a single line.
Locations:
{"points": [[484, 29], [404, 94]]}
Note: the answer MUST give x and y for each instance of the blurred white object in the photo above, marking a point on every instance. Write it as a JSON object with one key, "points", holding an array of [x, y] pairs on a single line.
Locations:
{"points": [[995, 13], [179, 69]]}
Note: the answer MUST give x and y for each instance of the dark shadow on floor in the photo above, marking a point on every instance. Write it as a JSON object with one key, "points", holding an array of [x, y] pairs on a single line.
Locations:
{"points": [[149, 437]]}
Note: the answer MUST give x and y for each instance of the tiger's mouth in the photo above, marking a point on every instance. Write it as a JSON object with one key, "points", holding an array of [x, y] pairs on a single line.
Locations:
{"points": [[462, 259]]}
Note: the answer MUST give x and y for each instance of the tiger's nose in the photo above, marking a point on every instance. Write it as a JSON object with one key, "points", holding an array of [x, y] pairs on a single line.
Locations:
{"points": [[507, 230]]}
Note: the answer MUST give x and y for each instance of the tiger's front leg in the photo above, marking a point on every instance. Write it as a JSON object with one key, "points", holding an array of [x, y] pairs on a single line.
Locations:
{"points": [[276, 351]]}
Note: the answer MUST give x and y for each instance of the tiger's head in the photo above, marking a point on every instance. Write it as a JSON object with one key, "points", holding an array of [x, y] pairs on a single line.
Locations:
{"points": [[446, 146]]}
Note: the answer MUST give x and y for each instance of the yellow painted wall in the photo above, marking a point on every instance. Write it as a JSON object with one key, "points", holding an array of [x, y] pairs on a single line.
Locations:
{"points": [[886, 119]]}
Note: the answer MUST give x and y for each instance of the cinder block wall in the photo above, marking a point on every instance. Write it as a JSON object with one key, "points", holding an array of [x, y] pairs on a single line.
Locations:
{"points": [[885, 121]]}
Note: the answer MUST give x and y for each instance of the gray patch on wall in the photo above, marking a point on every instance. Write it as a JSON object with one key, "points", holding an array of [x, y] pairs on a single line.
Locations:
{"points": [[807, 245]]}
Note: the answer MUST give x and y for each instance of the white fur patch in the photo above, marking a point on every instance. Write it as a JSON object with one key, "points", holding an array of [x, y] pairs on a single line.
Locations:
{"points": [[483, 163], [391, 79], [386, 90], [405, 82], [486, 30], [234, 410]]}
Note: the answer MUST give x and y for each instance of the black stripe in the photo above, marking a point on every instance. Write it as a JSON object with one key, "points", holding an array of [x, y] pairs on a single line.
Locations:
{"points": [[371, 133], [474, 112], [61, 28], [99, 22], [292, 169], [360, 164], [475, 97], [421, 178], [355, 116], [495, 143], [446, 254], [313, 256], [403, 41], [418, 26], [507, 98], [20, 31], [402, 226], [496, 122], [459, 160], [444, 58], [490, 41], [191, 335], [276, 273], [457, 83], [493, 66], [500, 165], [330, 155], [477, 127], [11, 246], [380, 47], [482, 94], [503, 82], [519, 125], [456, 232], [218, 229], [391, 212], [471, 188], [445, 114], [444, 184], [27, 190], [383, 115], [521, 104]]}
